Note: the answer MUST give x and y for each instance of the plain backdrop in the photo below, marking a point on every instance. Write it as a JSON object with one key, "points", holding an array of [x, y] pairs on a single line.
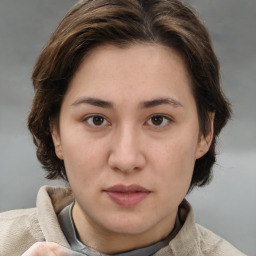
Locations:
{"points": [[228, 205]]}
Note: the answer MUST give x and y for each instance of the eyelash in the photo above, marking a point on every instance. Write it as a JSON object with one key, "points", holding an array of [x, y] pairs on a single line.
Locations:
{"points": [[89, 120], [166, 119]]}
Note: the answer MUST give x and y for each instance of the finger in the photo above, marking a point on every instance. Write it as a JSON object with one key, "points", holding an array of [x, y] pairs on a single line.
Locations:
{"points": [[49, 249]]}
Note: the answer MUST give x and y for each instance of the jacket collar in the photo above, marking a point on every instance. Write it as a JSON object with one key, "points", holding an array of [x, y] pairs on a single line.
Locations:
{"points": [[51, 200], [186, 242]]}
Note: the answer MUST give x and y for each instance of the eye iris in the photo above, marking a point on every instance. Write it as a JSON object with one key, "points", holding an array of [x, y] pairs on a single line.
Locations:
{"points": [[157, 120], [98, 120]]}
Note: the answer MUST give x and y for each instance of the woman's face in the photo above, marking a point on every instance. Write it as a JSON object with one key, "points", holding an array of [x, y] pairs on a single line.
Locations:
{"points": [[129, 137]]}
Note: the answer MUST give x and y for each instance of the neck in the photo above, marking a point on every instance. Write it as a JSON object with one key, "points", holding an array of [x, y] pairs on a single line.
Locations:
{"points": [[111, 242]]}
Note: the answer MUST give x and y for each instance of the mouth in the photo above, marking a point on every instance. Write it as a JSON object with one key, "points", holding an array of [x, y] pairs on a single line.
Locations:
{"points": [[127, 196]]}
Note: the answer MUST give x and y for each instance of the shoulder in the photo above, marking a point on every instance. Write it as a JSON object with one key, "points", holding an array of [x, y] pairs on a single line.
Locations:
{"points": [[194, 239], [19, 230], [24, 220], [214, 245]]}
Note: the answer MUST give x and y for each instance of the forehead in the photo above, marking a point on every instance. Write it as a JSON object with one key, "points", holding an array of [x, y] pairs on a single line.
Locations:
{"points": [[144, 69]]}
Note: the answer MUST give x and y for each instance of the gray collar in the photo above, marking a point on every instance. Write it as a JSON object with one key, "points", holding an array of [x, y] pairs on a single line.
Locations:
{"points": [[69, 230]]}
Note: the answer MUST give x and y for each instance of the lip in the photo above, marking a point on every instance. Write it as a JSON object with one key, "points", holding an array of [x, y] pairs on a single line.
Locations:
{"points": [[127, 196]]}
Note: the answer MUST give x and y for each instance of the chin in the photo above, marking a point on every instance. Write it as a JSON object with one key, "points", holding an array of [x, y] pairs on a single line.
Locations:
{"points": [[129, 226]]}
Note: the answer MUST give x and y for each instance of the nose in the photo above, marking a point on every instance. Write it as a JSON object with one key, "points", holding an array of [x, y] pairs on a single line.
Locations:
{"points": [[126, 151]]}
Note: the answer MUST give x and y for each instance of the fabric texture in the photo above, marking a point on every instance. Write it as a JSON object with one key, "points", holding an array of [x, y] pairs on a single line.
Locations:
{"points": [[70, 232], [20, 229]]}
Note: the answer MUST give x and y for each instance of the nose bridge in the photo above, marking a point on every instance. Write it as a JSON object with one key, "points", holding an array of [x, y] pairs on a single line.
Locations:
{"points": [[126, 137], [126, 152]]}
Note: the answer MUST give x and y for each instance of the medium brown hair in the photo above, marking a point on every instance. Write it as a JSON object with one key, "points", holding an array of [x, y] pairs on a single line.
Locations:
{"points": [[91, 23]]}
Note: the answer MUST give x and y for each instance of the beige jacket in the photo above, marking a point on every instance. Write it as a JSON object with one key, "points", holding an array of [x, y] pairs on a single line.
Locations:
{"points": [[19, 229]]}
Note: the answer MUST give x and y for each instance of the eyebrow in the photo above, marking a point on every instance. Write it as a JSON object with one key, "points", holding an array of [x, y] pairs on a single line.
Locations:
{"points": [[161, 101], [146, 104], [94, 102]]}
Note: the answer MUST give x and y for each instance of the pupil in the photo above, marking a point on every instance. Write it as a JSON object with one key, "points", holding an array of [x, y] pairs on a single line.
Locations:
{"points": [[98, 120], [157, 120]]}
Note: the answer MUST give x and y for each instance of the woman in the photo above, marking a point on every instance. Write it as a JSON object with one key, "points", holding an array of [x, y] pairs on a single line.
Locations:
{"points": [[127, 109]]}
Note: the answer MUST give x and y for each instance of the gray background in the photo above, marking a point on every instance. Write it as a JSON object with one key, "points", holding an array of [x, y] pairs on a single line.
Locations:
{"points": [[228, 205]]}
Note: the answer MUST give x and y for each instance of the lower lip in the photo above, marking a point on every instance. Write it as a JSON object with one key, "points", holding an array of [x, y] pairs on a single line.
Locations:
{"points": [[127, 199]]}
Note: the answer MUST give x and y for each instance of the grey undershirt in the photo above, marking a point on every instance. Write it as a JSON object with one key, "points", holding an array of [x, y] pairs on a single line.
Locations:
{"points": [[69, 230]]}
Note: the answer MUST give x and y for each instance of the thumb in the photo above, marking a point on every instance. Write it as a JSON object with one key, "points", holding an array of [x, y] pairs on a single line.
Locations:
{"points": [[50, 249]]}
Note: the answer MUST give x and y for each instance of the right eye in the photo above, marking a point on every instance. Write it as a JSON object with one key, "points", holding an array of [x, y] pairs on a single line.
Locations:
{"points": [[159, 121], [96, 121]]}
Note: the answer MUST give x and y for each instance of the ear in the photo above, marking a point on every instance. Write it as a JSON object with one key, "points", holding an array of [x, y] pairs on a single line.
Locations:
{"points": [[57, 142], [205, 141]]}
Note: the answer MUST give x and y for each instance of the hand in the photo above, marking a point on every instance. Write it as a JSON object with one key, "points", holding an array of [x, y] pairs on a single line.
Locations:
{"points": [[49, 249]]}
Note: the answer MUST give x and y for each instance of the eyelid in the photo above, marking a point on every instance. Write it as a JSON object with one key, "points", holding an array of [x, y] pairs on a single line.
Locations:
{"points": [[87, 117], [107, 123], [167, 117]]}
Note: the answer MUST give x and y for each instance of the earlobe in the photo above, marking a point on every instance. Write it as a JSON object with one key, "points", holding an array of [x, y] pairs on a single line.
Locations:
{"points": [[57, 144], [58, 152], [205, 140]]}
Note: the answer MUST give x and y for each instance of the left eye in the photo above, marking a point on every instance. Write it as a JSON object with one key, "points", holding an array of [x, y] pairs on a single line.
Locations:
{"points": [[96, 121], [158, 120]]}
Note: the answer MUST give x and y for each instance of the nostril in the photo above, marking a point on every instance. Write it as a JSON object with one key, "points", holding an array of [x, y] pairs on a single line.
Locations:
{"points": [[126, 164], [125, 154]]}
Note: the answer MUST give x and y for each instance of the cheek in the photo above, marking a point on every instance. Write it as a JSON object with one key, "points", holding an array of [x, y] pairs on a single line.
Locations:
{"points": [[83, 158], [175, 161]]}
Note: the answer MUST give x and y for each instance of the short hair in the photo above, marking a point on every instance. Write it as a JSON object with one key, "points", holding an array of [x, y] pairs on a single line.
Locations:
{"points": [[91, 23]]}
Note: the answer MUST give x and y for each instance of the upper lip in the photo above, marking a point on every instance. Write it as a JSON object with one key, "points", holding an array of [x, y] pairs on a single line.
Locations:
{"points": [[133, 188]]}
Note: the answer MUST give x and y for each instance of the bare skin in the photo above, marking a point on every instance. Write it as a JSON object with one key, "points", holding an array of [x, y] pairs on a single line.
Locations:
{"points": [[129, 137], [128, 118]]}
